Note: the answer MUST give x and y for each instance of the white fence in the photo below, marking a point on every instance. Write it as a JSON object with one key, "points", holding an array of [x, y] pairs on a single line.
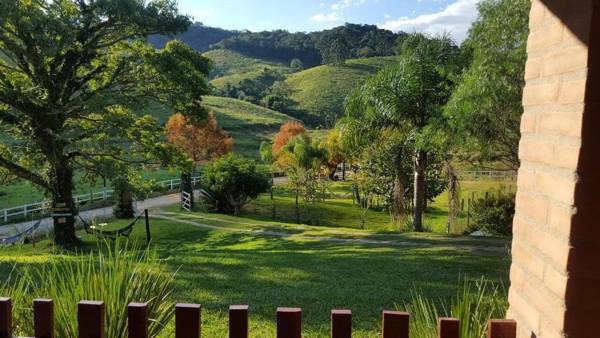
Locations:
{"points": [[488, 175], [103, 195]]}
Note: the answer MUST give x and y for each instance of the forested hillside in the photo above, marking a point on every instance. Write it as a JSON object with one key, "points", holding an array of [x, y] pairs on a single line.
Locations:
{"points": [[198, 36]]}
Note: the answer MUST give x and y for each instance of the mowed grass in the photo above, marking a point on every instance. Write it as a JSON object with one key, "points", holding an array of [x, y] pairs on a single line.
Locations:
{"points": [[217, 268], [322, 90]]}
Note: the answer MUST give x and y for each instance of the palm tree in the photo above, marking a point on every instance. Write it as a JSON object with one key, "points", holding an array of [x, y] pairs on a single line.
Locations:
{"points": [[410, 96]]}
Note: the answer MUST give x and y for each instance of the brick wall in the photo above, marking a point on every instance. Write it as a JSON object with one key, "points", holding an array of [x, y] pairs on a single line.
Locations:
{"points": [[554, 198]]}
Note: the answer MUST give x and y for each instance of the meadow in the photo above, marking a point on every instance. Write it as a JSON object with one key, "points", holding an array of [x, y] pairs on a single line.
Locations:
{"points": [[221, 260]]}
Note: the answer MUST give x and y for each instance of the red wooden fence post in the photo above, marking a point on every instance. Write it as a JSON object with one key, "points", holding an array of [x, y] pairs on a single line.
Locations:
{"points": [[43, 318], [289, 322], [502, 329], [448, 328], [187, 320], [5, 318], [90, 316], [238, 321], [341, 324], [137, 320], [394, 324]]}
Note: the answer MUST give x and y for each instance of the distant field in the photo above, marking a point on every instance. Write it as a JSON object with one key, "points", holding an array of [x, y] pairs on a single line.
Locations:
{"points": [[321, 91], [232, 67], [249, 124]]}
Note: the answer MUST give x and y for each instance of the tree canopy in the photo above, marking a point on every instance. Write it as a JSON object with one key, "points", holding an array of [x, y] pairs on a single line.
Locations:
{"points": [[74, 78], [486, 106]]}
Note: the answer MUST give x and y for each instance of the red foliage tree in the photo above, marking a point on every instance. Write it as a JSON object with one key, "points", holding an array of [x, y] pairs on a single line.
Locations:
{"points": [[202, 142], [286, 133]]}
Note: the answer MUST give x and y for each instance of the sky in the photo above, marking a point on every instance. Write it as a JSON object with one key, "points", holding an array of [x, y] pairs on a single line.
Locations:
{"points": [[430, 16]]}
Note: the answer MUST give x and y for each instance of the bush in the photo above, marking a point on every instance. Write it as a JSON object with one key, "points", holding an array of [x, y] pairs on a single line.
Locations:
{"points": [[493, 214], [231, 182], [115, 276], [474, 305]]}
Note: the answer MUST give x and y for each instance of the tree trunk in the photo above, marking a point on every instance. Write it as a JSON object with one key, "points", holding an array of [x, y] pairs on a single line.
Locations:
{"points": [[124, 207], [187, 186], [398, 208], [343, 171], [419, 190], [63, 204]]}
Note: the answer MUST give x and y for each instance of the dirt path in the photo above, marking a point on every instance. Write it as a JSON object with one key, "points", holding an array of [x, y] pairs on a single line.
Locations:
{"points": [[168, 216]]}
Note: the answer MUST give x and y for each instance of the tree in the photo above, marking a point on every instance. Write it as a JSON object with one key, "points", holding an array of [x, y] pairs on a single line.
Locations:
{"points": [[202, 141], [231, 182], [486, 106], [332, 144], [410, 96], [302, 159], [287, 132], [74, 78]]}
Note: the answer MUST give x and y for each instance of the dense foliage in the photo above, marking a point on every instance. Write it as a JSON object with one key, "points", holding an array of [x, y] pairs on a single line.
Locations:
{"points": [[201, 141], [286, 133], [493, 214], [75, 75], [231, 182], [486, 106], [409, 97], [197, 36]]}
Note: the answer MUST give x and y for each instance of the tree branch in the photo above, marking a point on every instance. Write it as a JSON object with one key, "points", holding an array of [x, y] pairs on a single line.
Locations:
{"points": [[23, 173]]}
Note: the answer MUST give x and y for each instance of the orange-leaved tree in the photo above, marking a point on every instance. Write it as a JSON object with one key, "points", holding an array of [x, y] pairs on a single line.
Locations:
{"points": [[204, 141], [286, 133]]}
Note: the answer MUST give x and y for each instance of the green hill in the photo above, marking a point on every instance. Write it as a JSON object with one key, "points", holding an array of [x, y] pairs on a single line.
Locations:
{"points": [[249, 124], [232, 67], [320, 92]]}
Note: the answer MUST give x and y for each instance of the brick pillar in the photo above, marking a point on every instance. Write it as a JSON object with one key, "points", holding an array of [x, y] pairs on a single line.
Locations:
{"points": [[555, 275]]}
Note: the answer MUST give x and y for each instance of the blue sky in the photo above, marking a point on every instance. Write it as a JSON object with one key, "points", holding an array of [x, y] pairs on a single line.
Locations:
{"points": [[431, 16]]}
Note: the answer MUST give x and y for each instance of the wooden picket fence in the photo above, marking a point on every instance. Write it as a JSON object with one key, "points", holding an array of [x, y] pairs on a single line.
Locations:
{"points": [[90, 316]]}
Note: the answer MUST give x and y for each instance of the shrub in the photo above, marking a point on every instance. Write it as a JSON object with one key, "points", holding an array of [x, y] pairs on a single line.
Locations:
{"points": [[117, 276], [474, 305], [231, 182], [493, 214]]}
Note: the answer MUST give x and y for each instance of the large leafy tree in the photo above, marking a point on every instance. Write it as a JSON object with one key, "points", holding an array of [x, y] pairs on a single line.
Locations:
{"points": [[410, 96], [486, 106], [73, 77]]}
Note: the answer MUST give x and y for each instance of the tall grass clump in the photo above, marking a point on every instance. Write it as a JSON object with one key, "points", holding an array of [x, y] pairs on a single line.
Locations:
{"points": [[117, 274], [474, 305]]}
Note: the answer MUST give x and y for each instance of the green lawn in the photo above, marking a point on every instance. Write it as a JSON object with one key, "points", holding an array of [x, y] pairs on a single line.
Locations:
{"points": [[217, 268]]}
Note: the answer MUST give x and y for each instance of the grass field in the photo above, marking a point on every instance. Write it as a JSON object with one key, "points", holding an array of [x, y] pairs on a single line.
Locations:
{"points": [[232, 67], [248, 123], [315, 268], [322, 90]]}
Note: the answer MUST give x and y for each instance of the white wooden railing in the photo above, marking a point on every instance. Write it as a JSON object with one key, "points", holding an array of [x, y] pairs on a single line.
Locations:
{"points": [[22, 211]]}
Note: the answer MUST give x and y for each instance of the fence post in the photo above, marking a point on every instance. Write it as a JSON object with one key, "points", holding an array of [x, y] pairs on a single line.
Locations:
{"points": [[341, 324], [502, 329], [394, 324], [137, 320], [90, 316], [147, 219], [43, 318], [238, 321], [5, 215], [187, 320], [289, 322], [468, 213], [5, 318], [448, 328]]}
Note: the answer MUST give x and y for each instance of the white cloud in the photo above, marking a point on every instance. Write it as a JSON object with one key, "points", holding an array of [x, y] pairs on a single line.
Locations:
{"points": [[455, 19], [323, 17], [346, 3]]}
